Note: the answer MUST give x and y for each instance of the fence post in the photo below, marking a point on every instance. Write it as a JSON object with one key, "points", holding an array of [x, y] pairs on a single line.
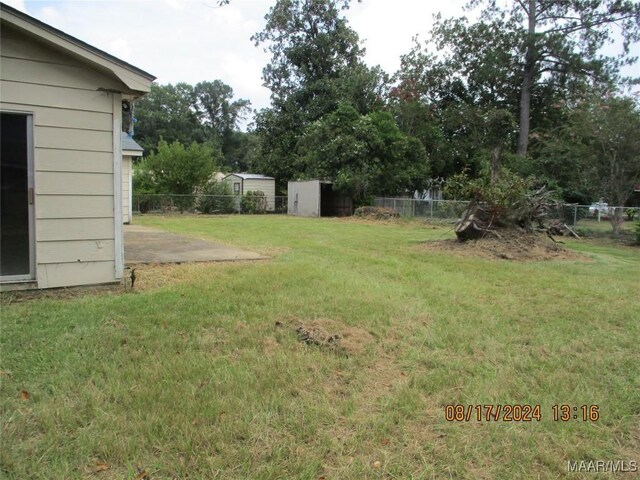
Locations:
{"points": [[431, 208], [394, 205], [575, 215]]}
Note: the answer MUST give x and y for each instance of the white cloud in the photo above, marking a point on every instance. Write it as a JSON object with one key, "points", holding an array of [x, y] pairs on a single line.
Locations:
{"points": [[17, 4], [176, 4], [51, 15], [388, 29], [120, 48], [244, 72]]}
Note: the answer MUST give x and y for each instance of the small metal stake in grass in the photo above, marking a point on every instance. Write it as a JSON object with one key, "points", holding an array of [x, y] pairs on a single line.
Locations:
{"points": [[133, 277]]}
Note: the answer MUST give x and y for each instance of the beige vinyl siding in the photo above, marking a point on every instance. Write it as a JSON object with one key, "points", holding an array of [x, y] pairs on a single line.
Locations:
{"points": [[65, 118], [50, 229], [34, 95], [82, 251], [231, 180], [15, 46], [73, 161], [67, 76], [73, 116], [73, 183], [266, 186], [79, 273], [73, 206], [74, 139], [126, 191]]}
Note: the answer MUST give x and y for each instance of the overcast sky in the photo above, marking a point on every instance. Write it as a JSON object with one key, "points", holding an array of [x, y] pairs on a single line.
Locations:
{"points": [[194, 40]]}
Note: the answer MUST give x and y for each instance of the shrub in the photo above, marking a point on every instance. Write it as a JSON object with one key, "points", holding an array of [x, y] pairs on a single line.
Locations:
{"points": [[216, 197], [254, 202], [143, 188]]}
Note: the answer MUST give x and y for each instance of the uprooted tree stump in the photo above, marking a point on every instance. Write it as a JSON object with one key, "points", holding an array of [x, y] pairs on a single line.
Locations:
{"points": [[527, 213], [474, 223], [561, 229]]}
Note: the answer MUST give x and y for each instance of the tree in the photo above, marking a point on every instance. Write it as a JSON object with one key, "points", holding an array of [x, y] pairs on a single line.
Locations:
{"points": [[239, 151], [557, 39], [175, 169], [316, 63], [310, 44], [602, 135], [363, 154], [462, 104], [216, 110], [204, 113], [217, 197], [167, 112]]}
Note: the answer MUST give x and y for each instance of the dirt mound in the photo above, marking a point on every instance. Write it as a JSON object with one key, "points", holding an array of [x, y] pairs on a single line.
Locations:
{"points": [[333, 336], [507, 245]]}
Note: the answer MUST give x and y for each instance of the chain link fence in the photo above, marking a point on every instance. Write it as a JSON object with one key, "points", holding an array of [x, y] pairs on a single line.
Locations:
{"points": [[208, 204], [433, 209], [450, 210], [595, 216]]}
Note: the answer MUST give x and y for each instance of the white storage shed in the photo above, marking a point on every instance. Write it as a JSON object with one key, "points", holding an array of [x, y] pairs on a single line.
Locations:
{"points": [[241, 183], [316, 198]]}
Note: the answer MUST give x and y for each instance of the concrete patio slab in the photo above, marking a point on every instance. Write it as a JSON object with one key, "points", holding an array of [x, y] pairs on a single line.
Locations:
{"points": [[149, 245]]}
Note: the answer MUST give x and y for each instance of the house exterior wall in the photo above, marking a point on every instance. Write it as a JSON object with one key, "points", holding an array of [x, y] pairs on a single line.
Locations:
{"points": [[303, 198], [74, 117], [126, 189]]}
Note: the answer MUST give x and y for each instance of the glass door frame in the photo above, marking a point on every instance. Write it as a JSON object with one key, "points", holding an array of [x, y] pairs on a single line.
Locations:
{"points": [[29, 277]]}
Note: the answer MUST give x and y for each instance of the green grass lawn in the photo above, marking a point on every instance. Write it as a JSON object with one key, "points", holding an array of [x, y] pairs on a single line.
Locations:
{"points": [[200, 374], [592, 226]]}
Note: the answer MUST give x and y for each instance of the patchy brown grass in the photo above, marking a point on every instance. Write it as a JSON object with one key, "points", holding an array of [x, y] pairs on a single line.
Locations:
{"points": [[200, 372], [330, 334], [66, 293]]}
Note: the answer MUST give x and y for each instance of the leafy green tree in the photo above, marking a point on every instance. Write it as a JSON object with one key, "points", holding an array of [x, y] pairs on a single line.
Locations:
{"points": [[601, 138], [167, 112], [461, 92], [557, 39], [310, 44], [204, 113], [363, 154], [502, 193], [175, 169], [239, 151], [216, 110], [462, 112], [316, 64]]}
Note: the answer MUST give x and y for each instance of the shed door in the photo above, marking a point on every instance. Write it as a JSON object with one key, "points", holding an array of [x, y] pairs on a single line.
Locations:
{"points": [[17, 262]]}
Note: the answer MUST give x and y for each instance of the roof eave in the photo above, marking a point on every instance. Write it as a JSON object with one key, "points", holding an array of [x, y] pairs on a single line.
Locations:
{"points": [[132, 153], [136, 81]]}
